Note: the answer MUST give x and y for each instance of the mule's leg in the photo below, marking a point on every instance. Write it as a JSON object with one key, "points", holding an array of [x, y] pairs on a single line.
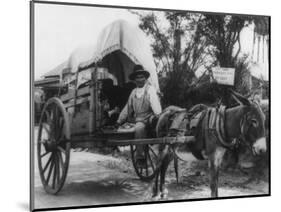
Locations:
{"points": [[213, 178], [176, 168], [155, 188], [165, 164], [215, 160]]}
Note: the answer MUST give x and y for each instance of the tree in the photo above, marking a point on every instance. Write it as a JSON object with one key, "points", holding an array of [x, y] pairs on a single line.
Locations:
{"points": [[261, 32], [182, 42], [177, 49], [223, 33]]}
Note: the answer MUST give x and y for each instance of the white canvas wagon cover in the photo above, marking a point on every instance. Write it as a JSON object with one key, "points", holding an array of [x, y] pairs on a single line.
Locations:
{"points": [[119, 40]]}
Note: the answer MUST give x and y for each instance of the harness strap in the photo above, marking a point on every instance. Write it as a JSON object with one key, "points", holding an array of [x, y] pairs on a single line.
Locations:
{"points": [[212, 118], [206, 121], [220, 128], [243, 132], [243, 128], [222, 120]]}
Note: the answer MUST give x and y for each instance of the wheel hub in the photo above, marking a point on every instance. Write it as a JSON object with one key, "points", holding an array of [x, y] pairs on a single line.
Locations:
{"points": [[50, 145]]}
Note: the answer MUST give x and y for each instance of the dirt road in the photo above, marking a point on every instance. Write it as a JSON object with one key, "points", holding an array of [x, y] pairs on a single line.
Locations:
{"points": [[95, 179]]}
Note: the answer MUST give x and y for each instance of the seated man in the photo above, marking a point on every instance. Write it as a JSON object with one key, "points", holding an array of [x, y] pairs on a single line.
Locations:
{"points": [[142, 105]]}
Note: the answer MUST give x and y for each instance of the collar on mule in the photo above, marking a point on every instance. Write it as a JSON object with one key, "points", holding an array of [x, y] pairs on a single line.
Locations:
{"points": [[216, 124]]}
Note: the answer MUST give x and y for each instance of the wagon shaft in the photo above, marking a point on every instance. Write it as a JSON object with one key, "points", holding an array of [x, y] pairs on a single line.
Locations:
{"points": [[164, 140]]}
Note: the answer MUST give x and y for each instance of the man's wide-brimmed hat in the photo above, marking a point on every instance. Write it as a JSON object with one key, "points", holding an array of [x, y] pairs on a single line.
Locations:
{"points": [[138, 69]]}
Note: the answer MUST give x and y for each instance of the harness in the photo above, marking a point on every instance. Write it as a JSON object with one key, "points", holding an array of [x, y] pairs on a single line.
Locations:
{"points": [[215, 125], [243, 130]]}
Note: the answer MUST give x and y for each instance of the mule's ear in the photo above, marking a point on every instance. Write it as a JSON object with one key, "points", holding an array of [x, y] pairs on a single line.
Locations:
{"points": [[241, 99], [245, 101]]}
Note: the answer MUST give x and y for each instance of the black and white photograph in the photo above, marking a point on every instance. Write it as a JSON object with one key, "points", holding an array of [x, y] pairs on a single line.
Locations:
{"points": [[133, 105]]}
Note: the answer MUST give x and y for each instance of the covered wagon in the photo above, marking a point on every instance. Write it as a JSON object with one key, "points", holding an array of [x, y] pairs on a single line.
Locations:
{"points": [[74, 118]]}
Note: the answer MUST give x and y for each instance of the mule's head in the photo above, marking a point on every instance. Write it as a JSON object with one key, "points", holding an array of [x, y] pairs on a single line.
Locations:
{"points": [[252, 127]]}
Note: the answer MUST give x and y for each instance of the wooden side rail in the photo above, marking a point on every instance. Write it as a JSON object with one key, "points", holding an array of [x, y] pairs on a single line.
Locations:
{"points": [[81, 92], [78, 102]]}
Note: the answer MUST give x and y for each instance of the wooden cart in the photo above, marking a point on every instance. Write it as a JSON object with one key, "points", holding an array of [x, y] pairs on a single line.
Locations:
{"points": [[60, 130]]}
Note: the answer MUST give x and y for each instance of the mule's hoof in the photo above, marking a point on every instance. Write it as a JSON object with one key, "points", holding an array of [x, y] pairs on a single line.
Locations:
{"points": [[164, 193], [156, 197]]}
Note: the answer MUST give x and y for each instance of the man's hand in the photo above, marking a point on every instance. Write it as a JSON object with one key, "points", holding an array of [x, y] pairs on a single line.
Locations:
{"points": [[114, 111], [117, 125], [117, 110]]}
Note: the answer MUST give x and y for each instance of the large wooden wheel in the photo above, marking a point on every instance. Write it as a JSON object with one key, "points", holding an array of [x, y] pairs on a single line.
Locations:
{"points": [[53, 146], [146, 172]]}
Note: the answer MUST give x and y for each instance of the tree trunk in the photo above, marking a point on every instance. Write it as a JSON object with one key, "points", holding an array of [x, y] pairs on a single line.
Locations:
{"points": [[259, 41], [176, 50], [263, 43], [254, 44]]}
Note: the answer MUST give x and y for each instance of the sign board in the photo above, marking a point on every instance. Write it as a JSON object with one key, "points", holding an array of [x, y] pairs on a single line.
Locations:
{"points": [[224, 76]]}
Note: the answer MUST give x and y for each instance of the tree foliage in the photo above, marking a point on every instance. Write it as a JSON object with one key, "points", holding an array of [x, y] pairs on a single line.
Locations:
{"points": [[183, 42], [177, 49], [174, 41], [223, 33]]}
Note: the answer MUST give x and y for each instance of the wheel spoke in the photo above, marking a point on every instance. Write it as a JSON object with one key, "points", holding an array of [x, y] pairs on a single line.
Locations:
{"points": [[61, 160], [47, 164], [146, 166], [42, 143], [44, 154], [61, 149], [155, 155], [151, 162], [146, 170], [55, 171], [50, 171], [46, 129], [58, 169]]}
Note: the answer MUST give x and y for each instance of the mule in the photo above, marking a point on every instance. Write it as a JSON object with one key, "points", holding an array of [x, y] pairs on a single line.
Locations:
{"points": [[243, 123]]}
